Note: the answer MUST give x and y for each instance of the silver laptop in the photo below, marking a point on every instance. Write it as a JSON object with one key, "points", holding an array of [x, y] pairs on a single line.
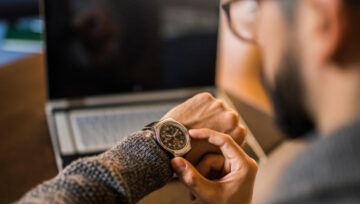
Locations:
{"points": [[114, 66]]}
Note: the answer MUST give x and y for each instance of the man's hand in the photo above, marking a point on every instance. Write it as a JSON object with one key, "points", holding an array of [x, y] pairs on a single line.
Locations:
{"points": [[204, 111], [239, 170]]}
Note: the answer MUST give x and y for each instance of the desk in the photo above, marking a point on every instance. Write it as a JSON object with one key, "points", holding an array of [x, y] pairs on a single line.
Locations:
{"points": [[26, 155]]}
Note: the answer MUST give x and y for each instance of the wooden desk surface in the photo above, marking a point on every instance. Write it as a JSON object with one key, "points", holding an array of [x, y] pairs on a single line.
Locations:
{"points": [[26, 155]]}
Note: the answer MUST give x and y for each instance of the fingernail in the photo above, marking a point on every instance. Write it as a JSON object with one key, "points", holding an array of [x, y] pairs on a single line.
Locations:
{"points": [[192, 131], [178, 165]]}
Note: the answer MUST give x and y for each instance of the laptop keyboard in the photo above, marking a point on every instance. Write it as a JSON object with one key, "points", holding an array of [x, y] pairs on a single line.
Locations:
{"points": [[99, 129]]}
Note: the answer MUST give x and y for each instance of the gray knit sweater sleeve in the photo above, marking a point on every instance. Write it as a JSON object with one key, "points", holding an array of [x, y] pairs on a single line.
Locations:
{"points": [[133, 168]]}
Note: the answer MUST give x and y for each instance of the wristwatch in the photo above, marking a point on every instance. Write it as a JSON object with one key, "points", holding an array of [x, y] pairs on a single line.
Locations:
{"points": [[171, 136]]}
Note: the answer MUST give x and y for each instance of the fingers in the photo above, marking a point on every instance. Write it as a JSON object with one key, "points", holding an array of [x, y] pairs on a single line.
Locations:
{"points": [[203, 110], [222, 118], [211, 166], [199, 149], [227, 145], [191, 178], [228, 120], [239, 134], [232, 118]]}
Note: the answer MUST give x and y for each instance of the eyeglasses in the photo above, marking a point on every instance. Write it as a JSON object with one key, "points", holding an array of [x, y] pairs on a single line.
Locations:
{"points": [[242, 17]]}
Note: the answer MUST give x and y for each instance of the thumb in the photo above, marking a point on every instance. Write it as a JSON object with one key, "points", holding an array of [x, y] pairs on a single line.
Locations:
{"points": [[192, 179]]}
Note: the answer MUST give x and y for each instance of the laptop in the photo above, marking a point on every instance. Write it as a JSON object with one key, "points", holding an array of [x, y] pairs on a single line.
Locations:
{"points": [[114, 66]]}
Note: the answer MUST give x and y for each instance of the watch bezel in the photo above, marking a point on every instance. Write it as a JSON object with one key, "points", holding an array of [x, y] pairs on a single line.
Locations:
{"points": [[176, 153]]}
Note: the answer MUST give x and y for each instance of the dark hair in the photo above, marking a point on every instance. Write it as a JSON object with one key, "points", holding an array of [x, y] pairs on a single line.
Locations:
{"points": [[353, 2]]}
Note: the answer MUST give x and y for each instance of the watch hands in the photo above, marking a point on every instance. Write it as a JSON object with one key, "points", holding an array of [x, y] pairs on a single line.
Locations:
{"points": [[177, 130]]}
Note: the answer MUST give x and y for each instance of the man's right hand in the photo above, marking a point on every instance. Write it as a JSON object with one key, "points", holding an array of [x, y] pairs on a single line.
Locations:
{"points": [[239, 171]]}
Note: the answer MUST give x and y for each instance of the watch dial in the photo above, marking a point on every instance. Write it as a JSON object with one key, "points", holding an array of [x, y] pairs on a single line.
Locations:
{"points": [[172, 137]]}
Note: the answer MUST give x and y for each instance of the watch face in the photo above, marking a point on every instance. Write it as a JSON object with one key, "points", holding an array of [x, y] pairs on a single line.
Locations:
{"points": [[173, 137]]}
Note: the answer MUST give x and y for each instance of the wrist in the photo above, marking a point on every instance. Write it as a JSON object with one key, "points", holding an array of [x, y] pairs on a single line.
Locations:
{"points": [[139, 161], [171, 136]]}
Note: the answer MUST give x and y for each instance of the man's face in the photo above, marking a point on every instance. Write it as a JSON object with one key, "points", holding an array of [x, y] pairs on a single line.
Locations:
{"points": [[282, 72]]}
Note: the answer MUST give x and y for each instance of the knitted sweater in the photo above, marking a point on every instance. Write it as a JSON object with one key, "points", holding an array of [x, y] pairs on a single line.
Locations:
{"points": [[133, 168], [327, 171]]}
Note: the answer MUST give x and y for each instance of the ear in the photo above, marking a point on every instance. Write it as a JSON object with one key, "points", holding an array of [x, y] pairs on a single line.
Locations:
{"points": [[329, 28]]}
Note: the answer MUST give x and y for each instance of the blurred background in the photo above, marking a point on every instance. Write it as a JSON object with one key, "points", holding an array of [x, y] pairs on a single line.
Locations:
{"points": [[20, 29]]}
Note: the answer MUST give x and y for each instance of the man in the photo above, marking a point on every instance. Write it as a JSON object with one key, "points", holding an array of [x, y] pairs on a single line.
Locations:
{"points": [[311, 70], [311, 59]]}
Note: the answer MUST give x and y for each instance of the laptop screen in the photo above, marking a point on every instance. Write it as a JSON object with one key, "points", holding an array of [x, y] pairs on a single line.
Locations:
{"points": [[97, 47]]}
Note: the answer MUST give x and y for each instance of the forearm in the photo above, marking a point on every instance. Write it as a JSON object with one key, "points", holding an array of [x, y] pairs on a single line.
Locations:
{"points": [[132, 169]]}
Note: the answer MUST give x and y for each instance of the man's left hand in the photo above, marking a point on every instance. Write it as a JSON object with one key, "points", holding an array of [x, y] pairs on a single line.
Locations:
{"points": [[204, 111]]}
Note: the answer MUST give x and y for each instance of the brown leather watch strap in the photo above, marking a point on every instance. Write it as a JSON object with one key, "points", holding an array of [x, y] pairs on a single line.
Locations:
{"points": [[150, 126]]}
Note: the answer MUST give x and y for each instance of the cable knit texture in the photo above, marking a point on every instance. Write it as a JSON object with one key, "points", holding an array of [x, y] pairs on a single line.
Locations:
{"points": [[135, 167]]}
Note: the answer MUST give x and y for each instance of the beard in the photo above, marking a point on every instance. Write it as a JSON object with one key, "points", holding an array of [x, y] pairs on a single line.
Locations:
{"points": [[288, 99]]}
